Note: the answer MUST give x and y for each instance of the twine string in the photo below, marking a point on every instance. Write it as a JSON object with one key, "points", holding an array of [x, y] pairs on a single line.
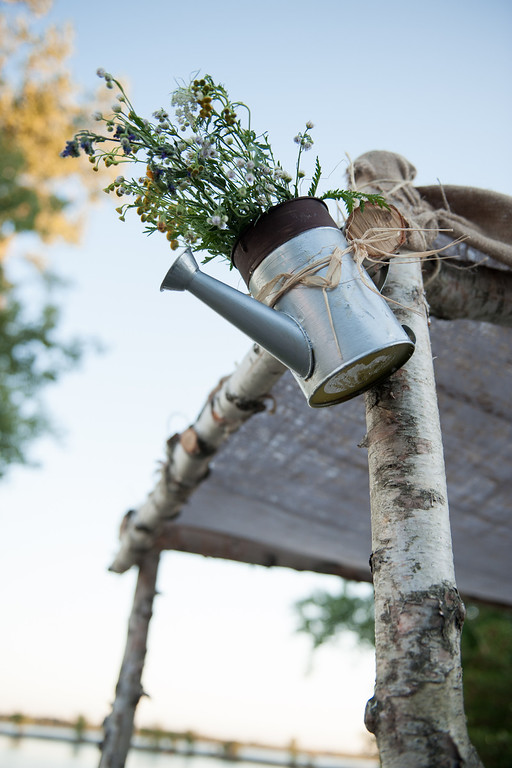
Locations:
{"points": [[308, 276]]}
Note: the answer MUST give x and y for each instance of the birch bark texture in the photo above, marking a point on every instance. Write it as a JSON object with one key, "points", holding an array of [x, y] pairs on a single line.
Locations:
{"points": [[118, 725], [417, 711]]}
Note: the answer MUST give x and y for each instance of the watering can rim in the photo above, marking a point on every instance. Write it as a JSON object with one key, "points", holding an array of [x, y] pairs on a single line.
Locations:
{"points": [[276, 226]]}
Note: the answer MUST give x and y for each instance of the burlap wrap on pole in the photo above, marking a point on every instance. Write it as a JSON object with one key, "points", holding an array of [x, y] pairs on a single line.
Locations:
{"points": [[483, 217]]}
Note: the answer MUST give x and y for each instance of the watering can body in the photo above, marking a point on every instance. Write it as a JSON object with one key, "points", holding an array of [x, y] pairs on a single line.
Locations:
{"points": [[355, 336], [338, 338]]}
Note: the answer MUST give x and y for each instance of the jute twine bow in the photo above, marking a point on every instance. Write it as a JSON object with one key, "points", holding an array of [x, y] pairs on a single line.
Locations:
{"points": [[307, 276]]}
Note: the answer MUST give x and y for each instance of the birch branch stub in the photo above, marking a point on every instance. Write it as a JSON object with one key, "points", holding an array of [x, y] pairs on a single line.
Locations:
{"points": [[383, 229]]}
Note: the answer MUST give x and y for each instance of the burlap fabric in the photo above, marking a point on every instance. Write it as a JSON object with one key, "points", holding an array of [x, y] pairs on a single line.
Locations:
{"points": [[482, 216]]}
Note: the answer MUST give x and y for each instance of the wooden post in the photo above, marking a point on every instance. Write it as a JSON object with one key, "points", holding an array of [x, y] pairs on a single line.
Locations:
{"points": [[118, 726], [417, 712]]}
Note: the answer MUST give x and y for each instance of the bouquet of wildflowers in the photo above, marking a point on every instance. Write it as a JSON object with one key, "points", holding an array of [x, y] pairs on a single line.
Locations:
{"points": [[207, 175]]}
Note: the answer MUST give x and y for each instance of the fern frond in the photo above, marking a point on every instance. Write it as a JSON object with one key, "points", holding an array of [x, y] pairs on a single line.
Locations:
{"points": [[349, 198], [316, 179]]}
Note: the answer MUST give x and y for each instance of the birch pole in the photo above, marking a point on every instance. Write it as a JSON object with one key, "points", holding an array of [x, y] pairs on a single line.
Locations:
{"points": [[417, 711], [118, 726]]}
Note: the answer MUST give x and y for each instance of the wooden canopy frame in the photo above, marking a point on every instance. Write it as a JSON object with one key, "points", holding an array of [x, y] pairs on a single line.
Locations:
{"points": [[411, 565]]}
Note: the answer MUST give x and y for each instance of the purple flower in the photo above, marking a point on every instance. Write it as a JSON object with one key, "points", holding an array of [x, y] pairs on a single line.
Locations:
{"points": [[71, 149], [87, 146]]}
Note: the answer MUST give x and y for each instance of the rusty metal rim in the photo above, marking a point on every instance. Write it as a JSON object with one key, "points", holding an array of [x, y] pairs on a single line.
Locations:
{"points": [[275, 227]]}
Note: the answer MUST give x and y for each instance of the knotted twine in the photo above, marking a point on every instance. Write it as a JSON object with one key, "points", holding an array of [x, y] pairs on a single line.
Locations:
{"points": [[370, 242], [366, 247]]}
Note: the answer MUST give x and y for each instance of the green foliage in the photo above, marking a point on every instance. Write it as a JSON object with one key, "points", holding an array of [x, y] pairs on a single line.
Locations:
{"points": [[486, 648], [349, 198], [154, 736], [80, 726], [230, 750], [38, 109], [316, 179], [487, 661], [323, 616], [19, 204], [31, 356]]}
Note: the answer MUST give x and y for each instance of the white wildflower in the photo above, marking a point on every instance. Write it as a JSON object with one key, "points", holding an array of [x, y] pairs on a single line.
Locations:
{"points": [[208, 151], [218, 220], [186, 104], [279, 173], [161, 115]]}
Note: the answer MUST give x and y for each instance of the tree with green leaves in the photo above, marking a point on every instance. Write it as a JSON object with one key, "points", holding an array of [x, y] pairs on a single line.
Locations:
{"points": [[80, 727], [18, 719], [31, 356], [34, 212]]}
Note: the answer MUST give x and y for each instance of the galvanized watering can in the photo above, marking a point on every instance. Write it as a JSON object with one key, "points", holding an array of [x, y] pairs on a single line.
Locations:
{"points": [[329, 324]]}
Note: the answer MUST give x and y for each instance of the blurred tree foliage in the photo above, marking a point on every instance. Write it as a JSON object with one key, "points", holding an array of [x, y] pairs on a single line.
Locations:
{"points": [[41, 201], [486, 648], [30, 357]]}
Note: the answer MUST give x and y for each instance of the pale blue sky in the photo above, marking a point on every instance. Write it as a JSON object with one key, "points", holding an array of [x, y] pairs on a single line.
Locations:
{"points": [[428, 80]]}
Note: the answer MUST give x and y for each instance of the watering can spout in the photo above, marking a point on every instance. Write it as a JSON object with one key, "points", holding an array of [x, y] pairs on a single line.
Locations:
{"points": [[278, 333]]}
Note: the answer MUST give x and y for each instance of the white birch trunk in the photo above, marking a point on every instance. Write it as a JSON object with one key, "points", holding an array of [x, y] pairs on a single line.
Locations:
{"points": [[118, 726], [417, 712]]}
